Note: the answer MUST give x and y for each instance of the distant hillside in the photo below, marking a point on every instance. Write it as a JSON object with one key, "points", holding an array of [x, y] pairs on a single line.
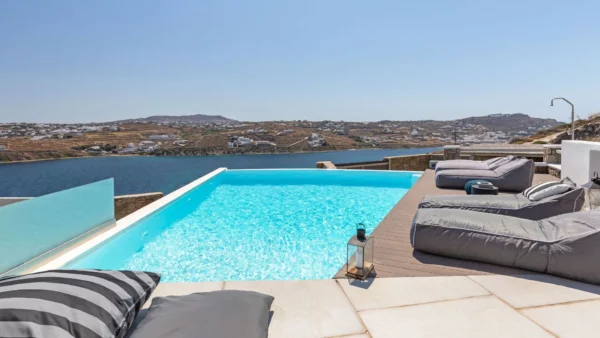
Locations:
{"points": [[585, 129], [198, 118], [510, 122]]}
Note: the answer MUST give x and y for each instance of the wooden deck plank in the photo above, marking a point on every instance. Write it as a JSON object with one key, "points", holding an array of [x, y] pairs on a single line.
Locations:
{"points": [[395, 257]]}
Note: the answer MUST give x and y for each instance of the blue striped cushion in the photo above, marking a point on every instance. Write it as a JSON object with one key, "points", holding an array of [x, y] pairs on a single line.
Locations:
{"points": [[73, 303]]}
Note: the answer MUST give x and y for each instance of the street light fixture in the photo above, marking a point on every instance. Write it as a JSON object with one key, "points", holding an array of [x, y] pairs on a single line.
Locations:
{"points": [[572, 114]]}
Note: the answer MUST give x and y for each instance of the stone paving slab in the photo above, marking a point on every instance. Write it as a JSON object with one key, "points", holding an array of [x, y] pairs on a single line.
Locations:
{"points": [[479, 317], [576, 320], [537, 290], [316, 308], [383, 293]]}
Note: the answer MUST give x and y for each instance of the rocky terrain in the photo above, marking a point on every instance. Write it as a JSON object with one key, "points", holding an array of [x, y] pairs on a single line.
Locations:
{"points": [[216, 135], [585, 129]]}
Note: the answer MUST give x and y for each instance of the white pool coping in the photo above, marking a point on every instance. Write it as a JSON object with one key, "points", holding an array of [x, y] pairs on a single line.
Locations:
{"points": [[126, 222], [151, 208]]}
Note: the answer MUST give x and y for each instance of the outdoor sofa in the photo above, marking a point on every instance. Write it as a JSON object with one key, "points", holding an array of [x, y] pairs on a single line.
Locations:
{"points": [[513, 175], [567, 245], [540, 204]]}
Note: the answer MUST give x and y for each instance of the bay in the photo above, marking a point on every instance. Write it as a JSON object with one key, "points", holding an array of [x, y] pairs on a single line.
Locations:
{"points": [[142, 174]]}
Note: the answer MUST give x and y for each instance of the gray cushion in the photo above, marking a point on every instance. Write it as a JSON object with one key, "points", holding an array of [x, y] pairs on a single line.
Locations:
{"points": [[514, 175], [219, 314], [473, 165], [511, 205], [461, 164], [566, 245]]}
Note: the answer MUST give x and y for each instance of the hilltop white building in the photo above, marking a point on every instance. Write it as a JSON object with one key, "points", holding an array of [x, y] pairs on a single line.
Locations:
{"points": [[40, 137], [285, 132], [239, 141], [60, 131], [264, 143], [163, 137], [315, 140]]}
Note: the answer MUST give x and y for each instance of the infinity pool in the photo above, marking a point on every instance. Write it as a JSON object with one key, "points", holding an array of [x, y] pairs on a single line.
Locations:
{"points": [[255, 225]]}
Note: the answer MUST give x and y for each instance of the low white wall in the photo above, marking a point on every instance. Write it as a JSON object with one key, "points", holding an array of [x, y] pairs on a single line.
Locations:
{"points": [[576, 163]]}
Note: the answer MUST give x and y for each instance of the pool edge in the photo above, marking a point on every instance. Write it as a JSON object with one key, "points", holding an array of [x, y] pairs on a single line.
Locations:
{"points": [[126, 222]]}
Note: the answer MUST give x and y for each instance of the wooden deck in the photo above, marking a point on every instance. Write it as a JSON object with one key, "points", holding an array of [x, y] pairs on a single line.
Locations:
{"points": [[394, 256]]}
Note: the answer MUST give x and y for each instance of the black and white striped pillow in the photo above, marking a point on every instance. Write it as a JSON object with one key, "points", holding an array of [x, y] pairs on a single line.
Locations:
{"points": [[73, 303], [546, 189]]}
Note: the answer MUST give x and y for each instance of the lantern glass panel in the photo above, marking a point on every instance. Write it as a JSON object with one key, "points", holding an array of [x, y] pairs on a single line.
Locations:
{"points": [[360, 257]]}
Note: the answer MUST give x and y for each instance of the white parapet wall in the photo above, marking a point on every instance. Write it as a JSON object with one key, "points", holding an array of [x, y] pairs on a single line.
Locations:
{"points": [[576, 162]]}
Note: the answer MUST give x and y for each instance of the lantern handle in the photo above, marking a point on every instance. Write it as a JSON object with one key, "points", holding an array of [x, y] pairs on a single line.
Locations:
{"points": [[361, 232]]}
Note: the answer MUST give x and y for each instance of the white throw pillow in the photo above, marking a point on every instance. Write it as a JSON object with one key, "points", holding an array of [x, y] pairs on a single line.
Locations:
{"points": [[539, 187], [552, 190]]}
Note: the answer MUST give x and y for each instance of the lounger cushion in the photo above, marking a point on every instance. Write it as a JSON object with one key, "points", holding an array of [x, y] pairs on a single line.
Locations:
{"points": [[475, 165], [511, 205], [77, 303], [515, 175], [460, 164], [219, 314], [566, 245]]}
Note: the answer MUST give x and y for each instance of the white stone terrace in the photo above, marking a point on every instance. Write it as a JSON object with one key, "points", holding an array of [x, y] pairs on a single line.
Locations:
{"points": [[446, 306]]}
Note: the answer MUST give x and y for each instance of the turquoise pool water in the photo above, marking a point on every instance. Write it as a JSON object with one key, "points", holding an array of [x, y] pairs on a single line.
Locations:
{"points": [[255, 225]]}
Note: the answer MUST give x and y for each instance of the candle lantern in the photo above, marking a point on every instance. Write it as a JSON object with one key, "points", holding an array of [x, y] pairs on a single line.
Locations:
{"points": [[592, 193], [360, 254]]}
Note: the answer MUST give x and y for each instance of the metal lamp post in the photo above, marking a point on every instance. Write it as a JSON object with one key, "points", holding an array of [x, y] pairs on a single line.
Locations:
{"points": [[572, 114]]}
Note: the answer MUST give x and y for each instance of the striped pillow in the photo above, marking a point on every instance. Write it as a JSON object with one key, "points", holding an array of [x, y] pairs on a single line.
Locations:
{"points": [[547, 189], [73, 303]]}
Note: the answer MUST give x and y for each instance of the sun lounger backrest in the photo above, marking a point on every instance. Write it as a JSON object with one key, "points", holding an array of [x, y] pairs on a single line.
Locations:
{"points": [[518, 173], [493, 160]]}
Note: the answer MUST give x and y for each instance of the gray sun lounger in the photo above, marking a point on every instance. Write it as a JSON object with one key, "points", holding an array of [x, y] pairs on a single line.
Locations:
{"points": [[490, 164], [510, 205], [566, 245], [514, 175]]}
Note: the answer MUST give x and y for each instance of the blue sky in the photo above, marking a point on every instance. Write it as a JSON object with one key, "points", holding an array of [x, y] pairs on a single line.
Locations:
{"points": [[78, 61]]}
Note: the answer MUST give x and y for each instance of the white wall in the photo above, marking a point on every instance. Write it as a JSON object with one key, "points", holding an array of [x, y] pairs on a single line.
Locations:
{"points": [[576, 163]]}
